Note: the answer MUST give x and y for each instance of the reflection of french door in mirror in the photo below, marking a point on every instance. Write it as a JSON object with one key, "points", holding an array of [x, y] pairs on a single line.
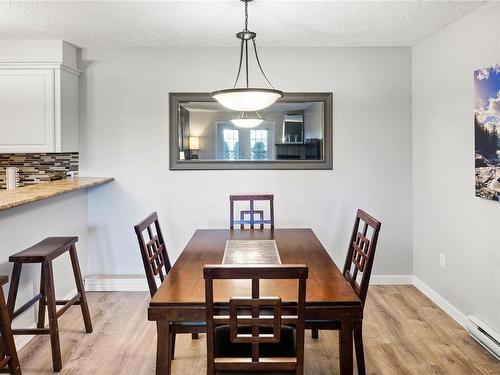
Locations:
{"points": [[245, 144], [184, 132]]}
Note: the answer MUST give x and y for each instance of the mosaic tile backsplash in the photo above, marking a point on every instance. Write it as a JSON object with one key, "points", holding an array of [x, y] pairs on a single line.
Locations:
{"points": [[40, 167]]}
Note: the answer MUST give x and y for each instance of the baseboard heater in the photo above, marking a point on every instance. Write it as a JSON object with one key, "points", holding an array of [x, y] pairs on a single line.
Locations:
{"points": [[484, 335]]}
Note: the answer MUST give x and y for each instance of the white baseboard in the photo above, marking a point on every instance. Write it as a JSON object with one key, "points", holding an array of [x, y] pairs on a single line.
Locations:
{"points": [[116, 283], [22, 340], [447, 307], [391, 280]]}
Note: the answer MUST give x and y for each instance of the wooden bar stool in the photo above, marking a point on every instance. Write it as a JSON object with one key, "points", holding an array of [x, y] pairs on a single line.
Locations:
{"points": [[8, 354], [45, 252]]}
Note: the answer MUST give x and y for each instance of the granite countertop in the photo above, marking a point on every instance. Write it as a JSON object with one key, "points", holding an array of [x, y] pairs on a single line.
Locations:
{"points": [[33, 193]]}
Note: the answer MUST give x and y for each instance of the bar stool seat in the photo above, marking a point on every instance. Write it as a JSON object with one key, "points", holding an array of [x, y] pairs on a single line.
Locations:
{"points": [[44, 253], [47, 249]]}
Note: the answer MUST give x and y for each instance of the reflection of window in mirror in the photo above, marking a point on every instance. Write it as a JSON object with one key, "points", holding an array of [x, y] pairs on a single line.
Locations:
{"points": [[258, 144], [243, 143], [230, 143]]}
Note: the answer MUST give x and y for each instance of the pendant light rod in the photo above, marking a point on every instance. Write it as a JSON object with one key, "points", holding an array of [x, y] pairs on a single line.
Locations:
{"points": [[246, 15], [246, 58], [247, 98], [245, 36], [258, 63], [246, 41], [239, 67]]}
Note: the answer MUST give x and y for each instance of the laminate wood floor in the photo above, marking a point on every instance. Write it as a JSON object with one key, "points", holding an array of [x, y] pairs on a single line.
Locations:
{"points": [[404, 333]]}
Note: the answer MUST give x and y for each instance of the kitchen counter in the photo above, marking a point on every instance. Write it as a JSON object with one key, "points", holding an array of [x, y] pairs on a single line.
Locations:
{"points": [[33, 193]]}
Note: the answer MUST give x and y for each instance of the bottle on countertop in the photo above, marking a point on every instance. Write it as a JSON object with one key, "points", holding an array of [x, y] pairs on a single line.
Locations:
{"points": [[11, 178]]}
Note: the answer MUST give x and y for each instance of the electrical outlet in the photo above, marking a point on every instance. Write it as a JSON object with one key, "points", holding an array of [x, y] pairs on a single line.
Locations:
{"points": [[442, 260]]}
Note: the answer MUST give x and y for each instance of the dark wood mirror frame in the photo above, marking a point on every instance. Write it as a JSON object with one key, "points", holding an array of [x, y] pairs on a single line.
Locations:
{"points": [[199, 164]]}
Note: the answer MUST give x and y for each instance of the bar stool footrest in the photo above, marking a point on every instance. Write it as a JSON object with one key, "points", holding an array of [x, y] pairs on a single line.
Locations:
{"points": [[31, 331], [27, 305], [67, 304], [4, 361], [65, 301]]}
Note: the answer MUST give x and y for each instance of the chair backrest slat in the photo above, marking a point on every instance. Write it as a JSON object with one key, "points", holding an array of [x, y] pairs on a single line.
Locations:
{"points": [[361, 253], [153, 251], [252, 317], [251, 212]]}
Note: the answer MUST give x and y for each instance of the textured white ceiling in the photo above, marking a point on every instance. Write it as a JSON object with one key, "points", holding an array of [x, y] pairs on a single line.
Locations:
{"points": [[214, 23]]}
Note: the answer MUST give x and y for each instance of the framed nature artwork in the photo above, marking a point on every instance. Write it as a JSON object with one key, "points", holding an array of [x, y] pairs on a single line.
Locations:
{"points": [[486, 129]]}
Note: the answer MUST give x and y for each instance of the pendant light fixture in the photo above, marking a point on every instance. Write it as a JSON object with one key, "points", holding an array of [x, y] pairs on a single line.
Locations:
{"points": [[247, 98], [248, 120]]}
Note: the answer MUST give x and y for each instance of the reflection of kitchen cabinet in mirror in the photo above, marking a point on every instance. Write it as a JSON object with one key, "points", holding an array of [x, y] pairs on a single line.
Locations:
{"points": [[293, 133], [293, 128], [303, 136]]}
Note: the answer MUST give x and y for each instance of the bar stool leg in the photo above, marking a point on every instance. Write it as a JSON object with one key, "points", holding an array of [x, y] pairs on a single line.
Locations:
{"points": [[52, 312], [14, 285], [8, 338], [41, 303], [81, 289], [315, 333]]}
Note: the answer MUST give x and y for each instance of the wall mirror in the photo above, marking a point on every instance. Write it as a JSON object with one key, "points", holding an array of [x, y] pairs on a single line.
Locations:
{"points": [[293, 133]]}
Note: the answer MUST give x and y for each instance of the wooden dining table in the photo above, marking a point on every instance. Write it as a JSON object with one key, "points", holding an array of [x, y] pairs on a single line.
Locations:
{"points": [[181, 297]]}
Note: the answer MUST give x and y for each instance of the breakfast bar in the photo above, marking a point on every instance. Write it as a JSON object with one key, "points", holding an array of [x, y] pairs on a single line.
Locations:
{"points": [[31, 213], [36, 192]]}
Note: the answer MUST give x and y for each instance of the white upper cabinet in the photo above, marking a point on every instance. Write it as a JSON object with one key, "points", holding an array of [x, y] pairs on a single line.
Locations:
{"points": [[38, 97]]}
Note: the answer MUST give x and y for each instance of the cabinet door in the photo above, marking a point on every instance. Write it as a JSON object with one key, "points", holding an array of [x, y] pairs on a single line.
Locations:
{"points": [[27, 110]]}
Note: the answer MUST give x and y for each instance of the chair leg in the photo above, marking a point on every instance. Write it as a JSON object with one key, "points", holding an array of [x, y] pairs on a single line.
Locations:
{"points": [[195, 336], [164, 340], [315, 333], [41, 303], [358, 344], [345, 347], [52, 312], [172, 346], [14, 285], [81, 289]]}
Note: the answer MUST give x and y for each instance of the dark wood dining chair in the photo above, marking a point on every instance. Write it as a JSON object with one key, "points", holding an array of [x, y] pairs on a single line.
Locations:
{"points": [[157, 266], [251, 212], [9, 362], [357, 271], [255, 335]]}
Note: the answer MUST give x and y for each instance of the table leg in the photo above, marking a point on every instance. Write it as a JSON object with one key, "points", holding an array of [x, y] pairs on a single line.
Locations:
{"points": [[345, 347], [163, 357]]}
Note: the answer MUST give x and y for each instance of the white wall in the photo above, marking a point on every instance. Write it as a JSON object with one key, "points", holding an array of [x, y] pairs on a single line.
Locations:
{"points": [[124, 133], [448, 218], [22, 227]]}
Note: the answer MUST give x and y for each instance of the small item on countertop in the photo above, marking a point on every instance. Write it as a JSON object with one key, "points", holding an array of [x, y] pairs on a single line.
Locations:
{"points": [[57, 176], [51, 176], [11, 177]]}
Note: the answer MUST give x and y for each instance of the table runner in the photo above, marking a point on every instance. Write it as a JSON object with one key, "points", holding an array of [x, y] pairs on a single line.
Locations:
{"points": [[251, 252]]}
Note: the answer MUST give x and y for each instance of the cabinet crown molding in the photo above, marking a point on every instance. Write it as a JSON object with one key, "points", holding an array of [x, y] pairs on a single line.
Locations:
{"points": [[39, 65], [39, 54]]}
